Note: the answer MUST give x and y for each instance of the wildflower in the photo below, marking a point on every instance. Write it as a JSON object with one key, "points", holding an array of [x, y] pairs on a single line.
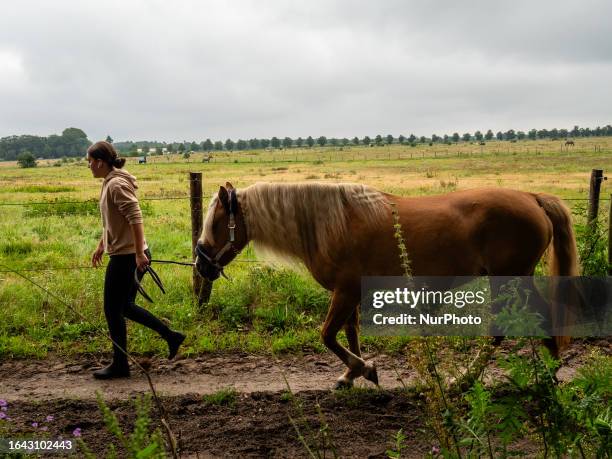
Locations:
{"points": [[77, 432], [3, 408], [435, 450], [45, 428], [35, 424], [3, 402], [2, 415], [50, 418]]}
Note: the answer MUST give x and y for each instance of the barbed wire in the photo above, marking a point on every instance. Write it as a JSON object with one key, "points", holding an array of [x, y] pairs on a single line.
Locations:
{"points": [[169, 198], [78, 268]]}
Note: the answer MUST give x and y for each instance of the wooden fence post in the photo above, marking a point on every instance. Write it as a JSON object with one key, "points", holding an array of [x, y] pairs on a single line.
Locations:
{"points": [[594, 189], [610, 238], [201, 287]]}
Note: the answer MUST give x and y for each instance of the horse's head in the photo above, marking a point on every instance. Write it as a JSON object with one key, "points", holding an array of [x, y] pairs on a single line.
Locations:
{"points": [[224, 234]]}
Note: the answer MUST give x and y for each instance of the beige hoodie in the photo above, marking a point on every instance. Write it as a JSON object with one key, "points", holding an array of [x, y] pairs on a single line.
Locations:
{"points": [[119, 209]]}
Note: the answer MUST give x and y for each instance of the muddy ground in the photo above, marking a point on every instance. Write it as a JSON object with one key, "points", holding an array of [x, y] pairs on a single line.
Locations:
{"points": [[256, 423]]}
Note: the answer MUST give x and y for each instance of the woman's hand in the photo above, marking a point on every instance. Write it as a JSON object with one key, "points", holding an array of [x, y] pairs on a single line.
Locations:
{"points": [[142, 261], [96, 258]]}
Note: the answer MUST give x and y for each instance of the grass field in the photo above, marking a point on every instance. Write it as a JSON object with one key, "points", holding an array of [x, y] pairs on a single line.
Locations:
{"points": [[49, 219]]}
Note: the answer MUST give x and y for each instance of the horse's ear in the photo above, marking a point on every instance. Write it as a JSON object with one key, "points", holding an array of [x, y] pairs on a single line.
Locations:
{"points": [[224, 197], [229, 186]]}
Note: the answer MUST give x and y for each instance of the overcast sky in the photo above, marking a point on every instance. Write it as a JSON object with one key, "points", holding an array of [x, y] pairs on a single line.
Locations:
{"points": [[191, 70]]}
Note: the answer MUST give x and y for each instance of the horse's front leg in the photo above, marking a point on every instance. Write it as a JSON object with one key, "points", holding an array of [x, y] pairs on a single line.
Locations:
{"points": [[343, 312]]}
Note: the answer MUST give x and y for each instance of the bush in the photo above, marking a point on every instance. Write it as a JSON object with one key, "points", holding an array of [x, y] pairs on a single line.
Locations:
{"points": [[26, 160]]}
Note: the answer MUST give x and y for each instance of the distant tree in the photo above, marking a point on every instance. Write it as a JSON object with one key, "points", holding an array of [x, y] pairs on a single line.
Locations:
{"points": [[345, 141], [575, 132], [194, 146], [423, 139], [355, 140], [299, 142], [400, 139], [287, 142], [564, 133], [242, 145], [532, 134], [229, 145], [389, 139], [478, 136], [466, 137], [322, 140], [170, 148], [367, 140], [445, 138], [310, 141], [489, 135], [275, 142], [207, 145], [520, 135], [435, 138], [455, 137], [542, 133], [412, 138], [554, 133], [378, 139], [499, 135], [254, 144], [109, 139], [333, 141], [181, 148], [26, 160], [510, 134], [265, 143], [218, 145]]}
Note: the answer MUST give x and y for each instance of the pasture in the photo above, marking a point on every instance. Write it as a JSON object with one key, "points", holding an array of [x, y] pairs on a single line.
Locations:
{"points": [[50, 224]]}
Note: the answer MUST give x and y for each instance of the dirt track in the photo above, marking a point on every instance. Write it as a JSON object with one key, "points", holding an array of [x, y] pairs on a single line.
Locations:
{"points": [[256, 425], [54, 378]]}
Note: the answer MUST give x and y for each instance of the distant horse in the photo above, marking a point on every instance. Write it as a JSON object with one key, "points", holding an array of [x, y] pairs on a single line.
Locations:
{"points": [[569, 142], [342, 232], [206, 159]]}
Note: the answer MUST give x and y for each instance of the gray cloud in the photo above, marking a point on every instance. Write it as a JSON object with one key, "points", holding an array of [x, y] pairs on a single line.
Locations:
{"points": [[192, 70]]}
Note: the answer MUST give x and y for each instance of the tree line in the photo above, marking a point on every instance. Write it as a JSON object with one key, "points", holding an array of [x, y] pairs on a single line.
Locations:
{"points": [[288, 142], [74, 142]]}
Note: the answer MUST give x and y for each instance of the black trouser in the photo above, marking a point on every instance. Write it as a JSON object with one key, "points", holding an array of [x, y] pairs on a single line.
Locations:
{"points": [[119, 296]]}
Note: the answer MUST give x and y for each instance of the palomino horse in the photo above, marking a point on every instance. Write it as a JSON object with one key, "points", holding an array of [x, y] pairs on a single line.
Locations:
{"points": [[342, 232]]}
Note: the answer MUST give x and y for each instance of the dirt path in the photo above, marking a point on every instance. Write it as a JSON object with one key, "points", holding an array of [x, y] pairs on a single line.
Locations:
{"points": [[55, 378], [255, 424]]}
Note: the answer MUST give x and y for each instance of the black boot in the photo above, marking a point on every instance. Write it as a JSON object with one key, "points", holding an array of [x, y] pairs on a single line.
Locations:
{"points": [[174, 339], [114, 370]]}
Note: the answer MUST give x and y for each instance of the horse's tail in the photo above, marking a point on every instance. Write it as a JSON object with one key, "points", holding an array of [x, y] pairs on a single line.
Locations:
{"points": [[562, 261], [563, 258]]}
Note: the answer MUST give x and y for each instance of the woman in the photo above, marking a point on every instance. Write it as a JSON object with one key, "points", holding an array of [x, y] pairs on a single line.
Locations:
{"points": [[123, 239]]}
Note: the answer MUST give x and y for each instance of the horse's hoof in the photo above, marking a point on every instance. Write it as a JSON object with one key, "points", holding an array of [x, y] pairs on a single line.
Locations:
{"points": [[369, 373], [343, 384]]}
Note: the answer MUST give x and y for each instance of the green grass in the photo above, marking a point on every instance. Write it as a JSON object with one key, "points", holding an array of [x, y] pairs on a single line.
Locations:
{"points": [[262, 309], [223, 397]]}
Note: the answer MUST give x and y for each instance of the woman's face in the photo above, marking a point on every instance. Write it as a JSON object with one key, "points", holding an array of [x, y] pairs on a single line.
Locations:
{"points": [[97, 167]]}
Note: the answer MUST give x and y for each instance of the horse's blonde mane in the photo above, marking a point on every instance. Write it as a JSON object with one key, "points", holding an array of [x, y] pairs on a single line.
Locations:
{"points": [[302, 220]]}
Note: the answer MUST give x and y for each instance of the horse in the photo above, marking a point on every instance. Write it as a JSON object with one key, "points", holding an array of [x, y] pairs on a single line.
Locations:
{"points": [[569, 142], [341, 232]]}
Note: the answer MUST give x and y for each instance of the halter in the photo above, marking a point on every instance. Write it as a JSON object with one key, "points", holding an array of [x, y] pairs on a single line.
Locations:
{"points": [[215, 261]]}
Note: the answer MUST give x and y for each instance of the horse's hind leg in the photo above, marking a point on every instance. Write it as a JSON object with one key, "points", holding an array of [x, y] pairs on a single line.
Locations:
{"points": [[351, 329], [343, 311]]}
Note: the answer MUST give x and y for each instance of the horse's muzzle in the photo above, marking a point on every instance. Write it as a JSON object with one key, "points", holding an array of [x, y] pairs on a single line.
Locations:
{"points": [[205, 266], [207, 270]]}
